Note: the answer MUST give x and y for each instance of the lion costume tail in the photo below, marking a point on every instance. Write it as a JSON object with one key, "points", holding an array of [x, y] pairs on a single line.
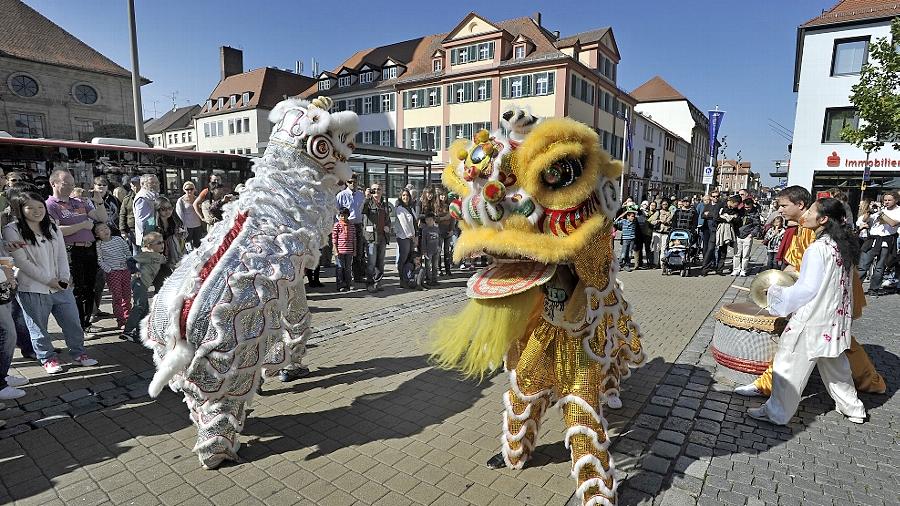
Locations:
{"points": [[475, 340]]}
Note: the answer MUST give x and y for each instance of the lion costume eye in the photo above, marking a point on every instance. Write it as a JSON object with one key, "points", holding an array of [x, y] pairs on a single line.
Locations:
{"points": [[562, 173]]}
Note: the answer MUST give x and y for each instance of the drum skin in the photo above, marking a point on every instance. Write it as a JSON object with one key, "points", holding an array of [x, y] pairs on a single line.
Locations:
{"points": [[745, 340]]}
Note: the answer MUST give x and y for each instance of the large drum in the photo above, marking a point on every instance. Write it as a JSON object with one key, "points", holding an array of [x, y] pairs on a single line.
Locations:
{"points": [[745, 340]]}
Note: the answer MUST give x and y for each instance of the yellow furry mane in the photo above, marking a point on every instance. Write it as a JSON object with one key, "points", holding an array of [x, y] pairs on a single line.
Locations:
{"points": [[475, 340]]}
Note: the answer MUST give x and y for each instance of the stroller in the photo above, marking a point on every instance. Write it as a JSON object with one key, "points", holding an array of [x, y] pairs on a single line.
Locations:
{"points": [[679, 252]]}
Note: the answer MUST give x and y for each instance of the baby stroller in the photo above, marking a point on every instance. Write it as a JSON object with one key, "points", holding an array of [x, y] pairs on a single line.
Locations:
{"points": [[679, 252]]}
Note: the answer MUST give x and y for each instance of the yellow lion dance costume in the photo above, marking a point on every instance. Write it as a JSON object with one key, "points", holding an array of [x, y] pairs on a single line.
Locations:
{"points": [[541, 204]]}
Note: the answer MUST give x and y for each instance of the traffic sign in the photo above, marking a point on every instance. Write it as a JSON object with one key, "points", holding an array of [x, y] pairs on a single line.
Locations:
{"points": [[708, 174]]}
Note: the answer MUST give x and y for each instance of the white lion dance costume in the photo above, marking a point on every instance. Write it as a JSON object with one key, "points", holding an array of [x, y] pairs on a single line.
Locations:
{"points": [[237, 305], [541, 202]]}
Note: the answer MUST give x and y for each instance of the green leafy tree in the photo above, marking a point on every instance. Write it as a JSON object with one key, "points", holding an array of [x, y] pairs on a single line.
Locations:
{"points": [[877, 96]]}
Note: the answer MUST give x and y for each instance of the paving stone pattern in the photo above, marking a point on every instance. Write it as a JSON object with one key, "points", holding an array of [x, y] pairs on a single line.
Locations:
{"points": [[692, 442]]}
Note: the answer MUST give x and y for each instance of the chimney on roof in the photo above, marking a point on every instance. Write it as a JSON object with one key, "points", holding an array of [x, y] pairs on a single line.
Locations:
{"points": [[231, 61], [556, 34], [537, 18], [298, 68]]}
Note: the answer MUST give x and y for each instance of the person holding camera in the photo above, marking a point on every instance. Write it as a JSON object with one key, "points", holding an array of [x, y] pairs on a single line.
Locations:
{"points": [[661, 223], [44, 280], [376, 213], [880, 247]]}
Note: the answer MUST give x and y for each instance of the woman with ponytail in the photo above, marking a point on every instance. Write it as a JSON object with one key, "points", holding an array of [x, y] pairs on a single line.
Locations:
{"points": [[818, 333]]}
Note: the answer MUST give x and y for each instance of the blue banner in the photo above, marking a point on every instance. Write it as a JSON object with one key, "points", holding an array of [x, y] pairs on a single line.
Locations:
{"points": [[715, 120]]}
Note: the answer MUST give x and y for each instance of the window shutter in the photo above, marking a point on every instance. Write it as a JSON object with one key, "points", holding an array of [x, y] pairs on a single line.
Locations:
{"points": [[453, 57], [487, 86], [437, 138], [450, 98], [406, 138], [393, 101], [526, 85], [551, 76], [376, 104], [473, 53], [574, 86], [504, 87], [359, 105], [405, 100], [437, 91], [447, 136], [469, 92], [422, 97], [490, 50]]}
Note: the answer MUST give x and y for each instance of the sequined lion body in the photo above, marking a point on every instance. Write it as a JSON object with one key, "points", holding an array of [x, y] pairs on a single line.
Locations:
{"points": [[237, 304], [541, 202]]}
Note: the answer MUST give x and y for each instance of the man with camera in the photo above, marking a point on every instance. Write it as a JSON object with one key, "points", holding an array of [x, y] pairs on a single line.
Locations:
{"points": [[376, 212], [881, 245]]}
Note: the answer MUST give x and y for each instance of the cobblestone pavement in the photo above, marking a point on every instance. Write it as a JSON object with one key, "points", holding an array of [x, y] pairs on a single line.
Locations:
{"points": [[372, 424], [692, 443]]}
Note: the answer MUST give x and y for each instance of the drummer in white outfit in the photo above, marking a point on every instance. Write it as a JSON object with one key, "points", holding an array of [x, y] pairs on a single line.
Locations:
{"points": [[818, 333]]}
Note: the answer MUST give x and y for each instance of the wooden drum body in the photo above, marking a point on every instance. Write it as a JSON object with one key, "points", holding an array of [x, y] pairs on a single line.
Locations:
{"points": [[745, 340]]}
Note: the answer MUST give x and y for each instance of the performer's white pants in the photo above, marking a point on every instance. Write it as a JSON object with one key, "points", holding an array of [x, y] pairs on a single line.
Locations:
{"points": [[791, 370]]}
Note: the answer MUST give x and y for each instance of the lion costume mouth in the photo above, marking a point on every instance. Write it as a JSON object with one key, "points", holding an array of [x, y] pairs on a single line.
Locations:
{"points": [[562, 222]]}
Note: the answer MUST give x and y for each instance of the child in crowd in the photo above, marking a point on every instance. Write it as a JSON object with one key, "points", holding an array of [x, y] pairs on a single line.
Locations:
{"points": [[144, 266], [773, 241], [628, 230], [112, 257], [420, 276], [343, 236], [430, 242]]}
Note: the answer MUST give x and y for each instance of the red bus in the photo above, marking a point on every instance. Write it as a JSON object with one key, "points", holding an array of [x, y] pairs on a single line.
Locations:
{"points": [[115, 158]]}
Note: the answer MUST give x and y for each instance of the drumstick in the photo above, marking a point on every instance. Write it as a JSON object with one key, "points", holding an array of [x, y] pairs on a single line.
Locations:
{"points": [[741, 288]]}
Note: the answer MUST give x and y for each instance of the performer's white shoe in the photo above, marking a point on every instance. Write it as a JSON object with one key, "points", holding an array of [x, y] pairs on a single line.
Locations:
{"points": [[855, 419], [759, 413], [748, 390], [614, 402]]}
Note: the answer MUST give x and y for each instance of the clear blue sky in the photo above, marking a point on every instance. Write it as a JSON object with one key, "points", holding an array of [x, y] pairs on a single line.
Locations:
{"points": [[737, 54]]}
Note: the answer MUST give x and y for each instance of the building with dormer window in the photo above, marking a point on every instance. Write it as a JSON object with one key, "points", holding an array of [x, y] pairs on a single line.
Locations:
{"points": [[428, 91], [235, 117]]}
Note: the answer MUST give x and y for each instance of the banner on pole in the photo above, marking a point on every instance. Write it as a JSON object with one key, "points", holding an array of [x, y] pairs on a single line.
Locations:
{"points": [[715, 120]]}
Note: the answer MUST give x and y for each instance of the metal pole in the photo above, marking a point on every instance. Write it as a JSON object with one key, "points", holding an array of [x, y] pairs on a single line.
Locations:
{"points": [[135, 77]]}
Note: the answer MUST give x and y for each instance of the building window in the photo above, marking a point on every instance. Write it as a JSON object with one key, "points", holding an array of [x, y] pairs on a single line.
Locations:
{"points": [[183, 137], [324, 84], [246, 124], [85, 94], [245, 98], [541, 83], [483, 51], [365, 77], [220, 103], [206, 130], [414, 100], [582, 89], [849, 56], [367, 137], [23, 86], [367, 105], [389, 73], [387, 103], [208, 105], [837, 119], [437, 64], [231, 127], [434, 97], [29, 125], [344, 81], [515, 87], [482, 93], [219, 125], [190, 136], [238, 127], [84, 127], [232, 101], [475, 52], [519, 52]]}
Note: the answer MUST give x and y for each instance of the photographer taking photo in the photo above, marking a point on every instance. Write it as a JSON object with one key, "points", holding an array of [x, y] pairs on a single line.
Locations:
{"points": [[376, 213]]}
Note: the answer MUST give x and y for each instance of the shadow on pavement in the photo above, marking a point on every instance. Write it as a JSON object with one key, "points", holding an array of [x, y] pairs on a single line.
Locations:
{"points": [[694, 433], [399, 413]]}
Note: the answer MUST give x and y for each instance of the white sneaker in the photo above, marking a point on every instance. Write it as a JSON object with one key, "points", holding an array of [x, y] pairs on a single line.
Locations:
{"points": [[856, 419], [84, 360], [16, 381], [743, 274], [735, 273], [749, 390], [11, 393], [759, 413], [614, 402]]}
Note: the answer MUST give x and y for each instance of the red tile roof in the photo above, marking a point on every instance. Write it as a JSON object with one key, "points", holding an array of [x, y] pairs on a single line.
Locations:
{"points": [[855, 10], [27, 35], [656, 90], [267, 87]]}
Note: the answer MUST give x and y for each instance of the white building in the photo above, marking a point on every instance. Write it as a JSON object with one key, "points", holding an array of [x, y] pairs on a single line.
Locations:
{"points": [[659, 161], [235, 117], [668, 107], [831, 50], [174, 129]]}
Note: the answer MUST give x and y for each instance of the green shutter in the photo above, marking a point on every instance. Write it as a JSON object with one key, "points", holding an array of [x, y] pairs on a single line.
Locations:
{"points": [[504, 87], [359, 105], [487, 83], [450, 98], [469, 91], [453, 56], [490, 50], [405, 100], [551, 76], [526, 85], [376, 104], [438, 93], [574, 86], [473, 53], [437, 138]]}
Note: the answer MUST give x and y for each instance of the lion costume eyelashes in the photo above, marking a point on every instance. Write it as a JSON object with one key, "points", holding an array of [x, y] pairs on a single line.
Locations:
{"points": [[540, 202]]}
